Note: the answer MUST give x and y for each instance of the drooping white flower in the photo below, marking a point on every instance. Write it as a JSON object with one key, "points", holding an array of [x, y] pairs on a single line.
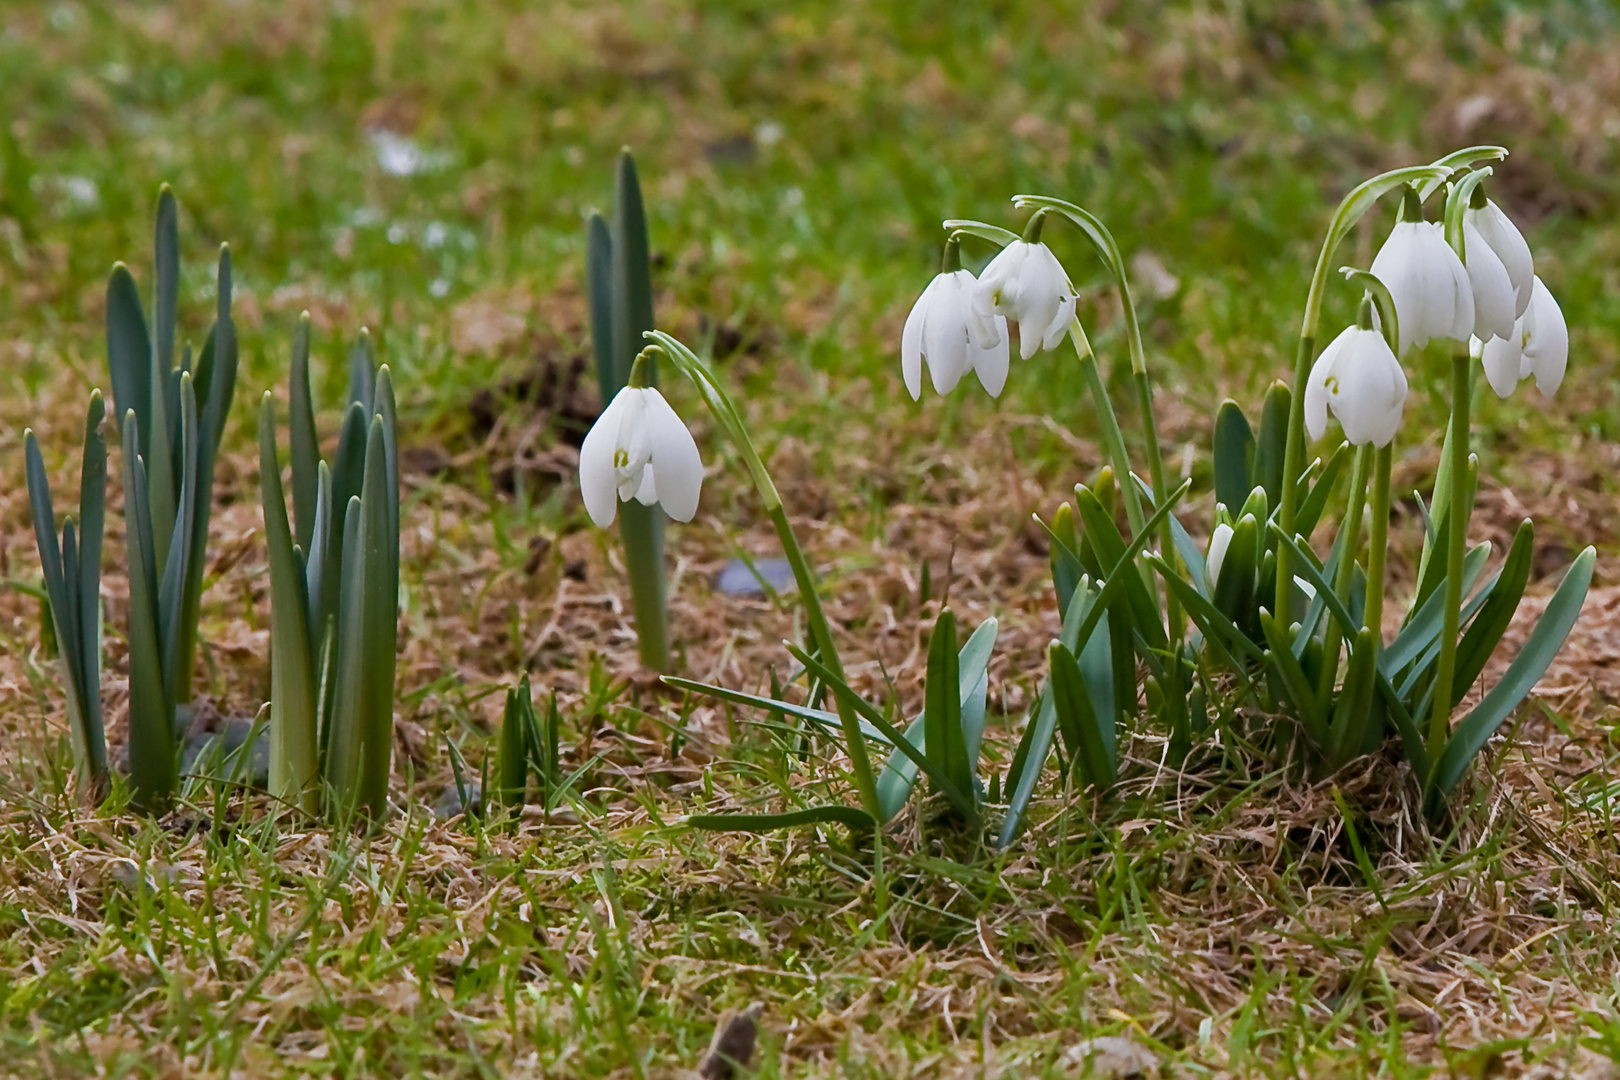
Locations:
{"points": [[1433, 295], [1494, 297], [1361, 381], [1026, 284], [1509, 244], [1539, 346], [639, 449], [1219, 541], [945, 330]]}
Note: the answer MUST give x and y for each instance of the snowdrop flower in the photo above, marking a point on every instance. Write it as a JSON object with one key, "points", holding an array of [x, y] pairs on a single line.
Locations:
{"points": [[1539, 346], [1505, 240], [1026, 284], [1219, 541], [1434, 297], [639, 449], [945, 330], [1361, 381], [1495, 300]]}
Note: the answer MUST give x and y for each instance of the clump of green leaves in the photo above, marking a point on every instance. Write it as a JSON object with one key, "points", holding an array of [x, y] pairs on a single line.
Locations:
{"points": [[618, 273], [172, 418], [334, 592], [72, 571], [529, 746]]}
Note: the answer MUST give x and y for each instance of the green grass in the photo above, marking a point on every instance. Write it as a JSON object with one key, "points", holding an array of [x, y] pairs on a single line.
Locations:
{"points": [[797, 162]]}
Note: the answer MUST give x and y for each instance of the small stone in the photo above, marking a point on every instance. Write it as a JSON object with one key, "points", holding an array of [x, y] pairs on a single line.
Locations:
{"points": [[1110, 1057], [737, 579], [733, 1044], [450, 803]]}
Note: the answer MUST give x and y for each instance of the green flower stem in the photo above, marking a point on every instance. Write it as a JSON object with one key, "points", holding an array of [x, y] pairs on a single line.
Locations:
{"points": [[725, 412], [1457, 543], [642, 529], [1378, 541], [1333, 636], [1293, 456], [1113, 440]]}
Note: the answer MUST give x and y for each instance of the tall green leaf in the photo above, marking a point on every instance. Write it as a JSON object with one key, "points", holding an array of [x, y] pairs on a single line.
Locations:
{"points": [[1476, 729], [153, 764], [305, 447], [1479, 641], [1271, 442], [1233, 454]]}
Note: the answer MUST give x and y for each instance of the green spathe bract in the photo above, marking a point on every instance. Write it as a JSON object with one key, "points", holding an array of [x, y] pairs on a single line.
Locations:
{"points": [[334, 604], [73, 589]]}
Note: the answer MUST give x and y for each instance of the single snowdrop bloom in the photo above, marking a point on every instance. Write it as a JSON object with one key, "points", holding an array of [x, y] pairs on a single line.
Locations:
{"points": [[1494, 297], [946, 331], [1219, 541], [1361, 381], [1539, 346], [639, 449], [1026, 284], [1434, 297], [1504, 238]]}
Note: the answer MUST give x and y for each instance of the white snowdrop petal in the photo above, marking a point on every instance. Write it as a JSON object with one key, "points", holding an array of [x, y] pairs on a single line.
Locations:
{"points": [[1510, 246], [1546, 338], [598, 480], [1219, 540], [674, 457], [1493, 295], [991, 364], [1501, 359], [911, 342]]}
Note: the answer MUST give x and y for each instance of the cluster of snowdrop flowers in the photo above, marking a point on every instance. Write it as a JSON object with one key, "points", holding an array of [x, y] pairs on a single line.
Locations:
{"points": [[1488, 297], [959, 323], [639, 449]]}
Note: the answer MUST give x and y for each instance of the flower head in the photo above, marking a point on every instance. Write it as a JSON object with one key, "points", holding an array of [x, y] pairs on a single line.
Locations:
{"points": [[1358, 377], [1508, 244], [945, 330], [1434, 297], [639, 449], [1539, 346], [1026, 284]]}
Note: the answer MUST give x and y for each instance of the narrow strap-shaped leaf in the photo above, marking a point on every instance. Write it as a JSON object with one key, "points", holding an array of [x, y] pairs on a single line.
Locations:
{"points": [[318, 564], [1271, 442], [305, 448], [294, 760], [129, 347], [899, 774], [599, 289], [67, 637], [153, 767], [512, 757], [1066, 568], [92, 532], [1479, 641], [826, 721], [1354, 710], [943, 704], [380, 601], [1527, 668], [166, 293], [632, 271], [1423, 623], [1192, 556], [362, 372], [1234, 455], [1314, 502], [1305, 560], [1085, 621], [1111, 549], [960, 801], [852, 818], [50, 547], [348, 474], [1301, 693], [171, 589], [1090, 748], [387, 411], [1234, 590], [346, 742], [1218, 629]]}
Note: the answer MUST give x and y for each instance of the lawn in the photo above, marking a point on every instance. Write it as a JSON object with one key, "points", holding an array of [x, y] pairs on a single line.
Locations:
{"points": [[426, 169]]}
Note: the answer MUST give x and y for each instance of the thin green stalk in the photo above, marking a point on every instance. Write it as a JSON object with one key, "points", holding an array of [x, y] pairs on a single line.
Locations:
{"points": [[642, 529], [1167, 543], [725, 412], [1333, 636], [1113, 440], [1378, 541], [1293, 457], [1457, 542]]}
